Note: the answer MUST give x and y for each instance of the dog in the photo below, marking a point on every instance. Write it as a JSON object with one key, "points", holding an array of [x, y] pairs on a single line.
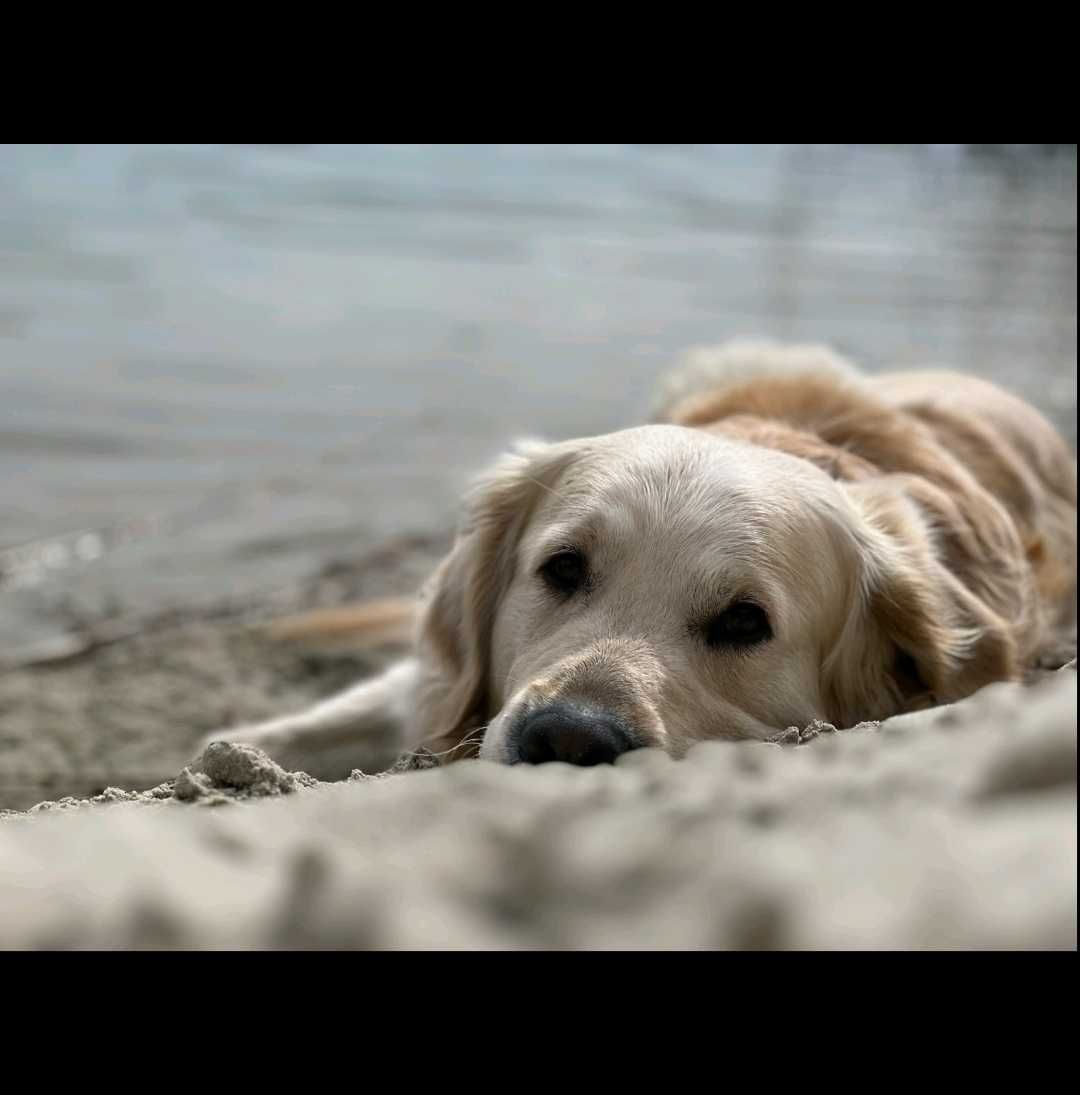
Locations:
{"points": [[788, 539]]}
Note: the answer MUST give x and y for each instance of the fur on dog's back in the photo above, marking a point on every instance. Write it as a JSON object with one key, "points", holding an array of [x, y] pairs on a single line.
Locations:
{"points": [[990, 474]]}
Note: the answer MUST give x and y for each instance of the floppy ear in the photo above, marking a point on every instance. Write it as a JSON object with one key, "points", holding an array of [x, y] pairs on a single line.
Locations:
{"points": [[460, 601], [916, 635]]}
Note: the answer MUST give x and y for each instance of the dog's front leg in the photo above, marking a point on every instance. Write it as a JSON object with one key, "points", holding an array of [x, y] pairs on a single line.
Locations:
{"points": [[366, 726]]}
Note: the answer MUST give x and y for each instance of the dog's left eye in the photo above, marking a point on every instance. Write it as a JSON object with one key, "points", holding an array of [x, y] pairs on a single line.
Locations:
{"points": [[741, 624], [565, 572]]}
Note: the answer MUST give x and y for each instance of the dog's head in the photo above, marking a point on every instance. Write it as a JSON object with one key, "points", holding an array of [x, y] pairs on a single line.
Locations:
{"points": [[661, 586]]}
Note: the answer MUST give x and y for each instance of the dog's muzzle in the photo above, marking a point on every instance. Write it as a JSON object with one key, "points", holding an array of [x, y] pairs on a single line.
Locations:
{"points": [[571, 734]]}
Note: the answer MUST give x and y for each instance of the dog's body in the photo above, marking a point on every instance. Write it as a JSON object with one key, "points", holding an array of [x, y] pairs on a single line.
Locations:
{"points": [[790, 540]]}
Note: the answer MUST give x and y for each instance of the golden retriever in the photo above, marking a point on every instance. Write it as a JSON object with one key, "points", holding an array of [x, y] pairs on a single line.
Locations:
{"points": [[789, 540]]}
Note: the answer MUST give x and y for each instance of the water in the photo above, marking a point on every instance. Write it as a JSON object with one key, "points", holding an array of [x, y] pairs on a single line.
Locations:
{"points": [[222, 366]]}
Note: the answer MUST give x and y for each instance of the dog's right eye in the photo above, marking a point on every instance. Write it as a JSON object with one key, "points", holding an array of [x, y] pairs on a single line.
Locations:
{"points": [[565, 572]]}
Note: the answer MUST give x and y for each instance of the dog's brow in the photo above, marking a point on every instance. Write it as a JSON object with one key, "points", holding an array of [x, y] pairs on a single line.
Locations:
{"points": [[576, 532]]}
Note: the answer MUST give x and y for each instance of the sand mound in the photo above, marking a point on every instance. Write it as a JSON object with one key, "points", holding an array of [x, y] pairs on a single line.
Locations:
{"points": [[226, 772], [952, 828]]}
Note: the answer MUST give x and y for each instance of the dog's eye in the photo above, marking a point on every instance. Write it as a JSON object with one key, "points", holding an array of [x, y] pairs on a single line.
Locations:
{"points": [[741, 624], [565, 572]]}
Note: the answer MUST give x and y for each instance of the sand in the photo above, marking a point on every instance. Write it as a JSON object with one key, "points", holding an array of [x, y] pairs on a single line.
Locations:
{"points": [[124, 702], [948, 829]]}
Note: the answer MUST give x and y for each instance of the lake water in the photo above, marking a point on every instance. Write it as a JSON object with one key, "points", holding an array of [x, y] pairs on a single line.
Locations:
{"points": [[223, 366]]}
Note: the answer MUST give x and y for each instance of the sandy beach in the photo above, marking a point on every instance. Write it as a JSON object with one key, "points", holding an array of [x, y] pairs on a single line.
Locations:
{"points": [[949, 829]]}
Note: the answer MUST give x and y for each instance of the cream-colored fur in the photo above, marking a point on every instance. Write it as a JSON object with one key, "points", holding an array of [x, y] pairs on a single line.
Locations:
{"points": [[912, 537]]}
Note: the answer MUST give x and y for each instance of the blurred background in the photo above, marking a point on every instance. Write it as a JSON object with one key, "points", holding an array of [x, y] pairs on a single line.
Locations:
{"points": [[226, 368]]}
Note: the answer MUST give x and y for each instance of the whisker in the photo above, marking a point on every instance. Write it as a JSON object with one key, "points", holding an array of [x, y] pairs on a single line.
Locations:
{"points": [[474, 738], [544, 486]]}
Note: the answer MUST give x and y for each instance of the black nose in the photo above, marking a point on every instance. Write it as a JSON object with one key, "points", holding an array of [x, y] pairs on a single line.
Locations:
{"points": [[572, 735]]}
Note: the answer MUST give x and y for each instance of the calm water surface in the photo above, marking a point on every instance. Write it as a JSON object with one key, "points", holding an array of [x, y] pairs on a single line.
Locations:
{"points": [[222, 366]]}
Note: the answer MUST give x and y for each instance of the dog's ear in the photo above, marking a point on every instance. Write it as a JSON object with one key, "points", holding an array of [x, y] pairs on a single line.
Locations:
{"points": [[460, 601], [915, 635]]}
